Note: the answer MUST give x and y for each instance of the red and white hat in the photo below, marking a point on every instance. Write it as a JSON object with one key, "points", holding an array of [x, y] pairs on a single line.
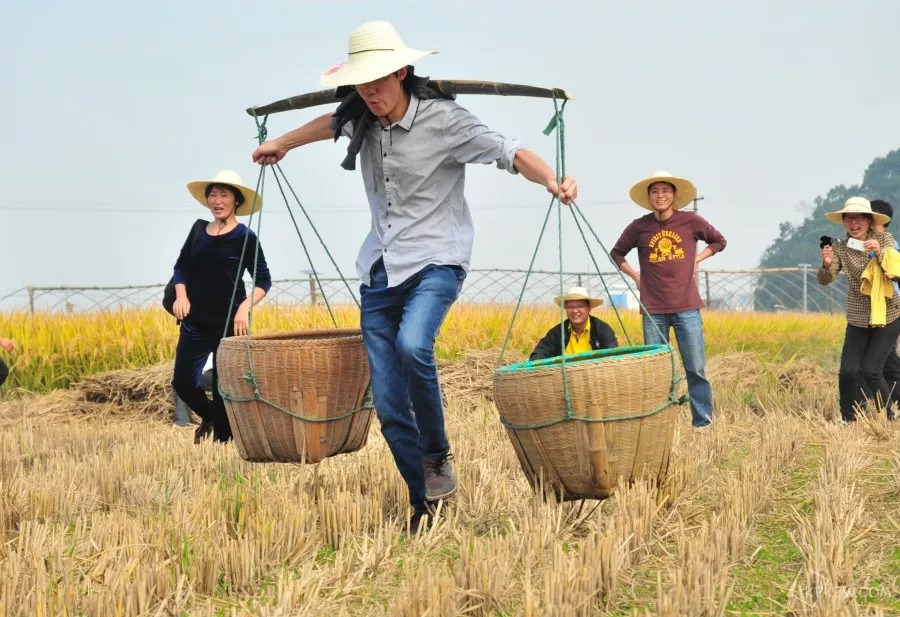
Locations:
{"points": [[374, 50]]}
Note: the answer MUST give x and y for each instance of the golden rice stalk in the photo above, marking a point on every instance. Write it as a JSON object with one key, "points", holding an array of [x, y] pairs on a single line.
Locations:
{"points": [[826, 537]]}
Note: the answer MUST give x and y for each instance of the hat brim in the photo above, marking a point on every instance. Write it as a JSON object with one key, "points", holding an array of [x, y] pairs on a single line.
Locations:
{"points": [[252, 199], [592, 302], [838, 217], [685, 191], [369, 66]]}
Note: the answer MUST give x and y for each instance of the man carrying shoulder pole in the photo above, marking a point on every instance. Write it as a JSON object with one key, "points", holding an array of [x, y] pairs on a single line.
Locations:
{"points": [[413, 143]]}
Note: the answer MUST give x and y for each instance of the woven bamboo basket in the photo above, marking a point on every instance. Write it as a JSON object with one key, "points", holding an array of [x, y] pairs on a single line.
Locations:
{"points": [[577, 459], [320, 375]]}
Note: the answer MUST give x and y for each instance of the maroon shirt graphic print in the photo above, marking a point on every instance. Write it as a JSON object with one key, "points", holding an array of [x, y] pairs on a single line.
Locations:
{"points": [[667, 251]]}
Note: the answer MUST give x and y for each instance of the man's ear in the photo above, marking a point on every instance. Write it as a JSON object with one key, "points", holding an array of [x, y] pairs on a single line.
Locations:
{"points": [[401, 74]]}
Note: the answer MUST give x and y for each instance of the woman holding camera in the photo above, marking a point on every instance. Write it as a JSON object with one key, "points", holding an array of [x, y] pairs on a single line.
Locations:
{"points": [[866, 347], [209, 287]]}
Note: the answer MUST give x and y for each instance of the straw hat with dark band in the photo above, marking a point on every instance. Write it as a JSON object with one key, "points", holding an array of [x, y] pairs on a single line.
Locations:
{"points": [[684, 190], [577, 293], [374, 51], [252, 200], [857, 205]]}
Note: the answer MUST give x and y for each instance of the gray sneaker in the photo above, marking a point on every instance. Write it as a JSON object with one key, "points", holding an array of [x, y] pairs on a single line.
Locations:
{"points": [[440, 482]]}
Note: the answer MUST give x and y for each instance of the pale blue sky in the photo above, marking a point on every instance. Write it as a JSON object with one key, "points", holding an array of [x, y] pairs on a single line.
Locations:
{"points": [[109, 110]]}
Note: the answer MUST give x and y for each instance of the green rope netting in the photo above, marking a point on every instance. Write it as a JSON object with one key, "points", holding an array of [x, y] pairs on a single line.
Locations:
{"points": [[557, 125], [251, 376]]}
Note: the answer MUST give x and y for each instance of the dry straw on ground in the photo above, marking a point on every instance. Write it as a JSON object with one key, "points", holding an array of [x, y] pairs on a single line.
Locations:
{"points": [[471, 378], [148, 391], [775, 511], [145, 391], [748, 370]]}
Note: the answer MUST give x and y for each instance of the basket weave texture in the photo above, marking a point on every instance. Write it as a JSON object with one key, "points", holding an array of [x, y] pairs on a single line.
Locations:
{"points": [[319, 375], [577, 459]]}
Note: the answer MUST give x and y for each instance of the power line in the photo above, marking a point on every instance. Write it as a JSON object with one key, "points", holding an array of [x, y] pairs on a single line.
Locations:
{"points": [[146, 209]]}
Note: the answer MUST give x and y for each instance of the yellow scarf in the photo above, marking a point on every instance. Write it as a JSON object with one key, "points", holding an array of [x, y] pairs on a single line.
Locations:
{"points": [[876, 283]]}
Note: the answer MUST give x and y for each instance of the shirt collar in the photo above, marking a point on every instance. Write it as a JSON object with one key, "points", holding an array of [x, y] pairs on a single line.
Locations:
{"points": [[587, 327], [407, 120]]}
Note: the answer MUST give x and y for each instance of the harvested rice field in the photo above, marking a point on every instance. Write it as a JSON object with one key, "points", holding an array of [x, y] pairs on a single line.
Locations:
{"points": [[107, 509]]}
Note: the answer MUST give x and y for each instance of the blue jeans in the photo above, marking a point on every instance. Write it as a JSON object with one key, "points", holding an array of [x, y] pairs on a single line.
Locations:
{"points": [[688, 327], [399, 325]]}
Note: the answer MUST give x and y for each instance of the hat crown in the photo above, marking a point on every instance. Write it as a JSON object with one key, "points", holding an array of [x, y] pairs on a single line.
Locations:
{"points": [[858, 204], [578, 291], [226, 176], [374, 50], [374, 36], [662, 174]]}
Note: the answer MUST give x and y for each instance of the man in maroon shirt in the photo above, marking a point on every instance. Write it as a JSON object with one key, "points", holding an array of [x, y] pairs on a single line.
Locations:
{"points": [[666, 241]]}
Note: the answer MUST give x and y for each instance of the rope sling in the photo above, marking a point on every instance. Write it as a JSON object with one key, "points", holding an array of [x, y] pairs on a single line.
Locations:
{"points": [[556, 126], [251, 374]]}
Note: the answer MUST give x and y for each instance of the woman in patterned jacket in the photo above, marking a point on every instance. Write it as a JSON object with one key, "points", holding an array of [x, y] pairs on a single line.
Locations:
{"points": [[866, 347]]}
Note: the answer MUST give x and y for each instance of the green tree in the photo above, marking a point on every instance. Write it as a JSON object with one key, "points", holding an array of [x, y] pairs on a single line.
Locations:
{"points": [[799, 243]]}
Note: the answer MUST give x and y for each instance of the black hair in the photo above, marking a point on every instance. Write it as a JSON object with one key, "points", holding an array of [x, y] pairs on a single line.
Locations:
{"points": [[409, 81], [882, 207], [238, 196]]}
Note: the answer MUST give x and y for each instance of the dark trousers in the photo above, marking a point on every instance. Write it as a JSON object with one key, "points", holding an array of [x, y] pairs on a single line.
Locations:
{"points": [[862, 367], [195, 343], [892, 372], [4, 372]]}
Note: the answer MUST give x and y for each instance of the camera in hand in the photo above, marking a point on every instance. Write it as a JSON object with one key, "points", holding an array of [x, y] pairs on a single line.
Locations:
{"points": [[827, 241]]}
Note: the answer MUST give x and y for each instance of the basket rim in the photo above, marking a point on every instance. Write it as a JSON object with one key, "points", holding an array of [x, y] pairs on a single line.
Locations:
{"points": [[587, 357], [299, 335]]}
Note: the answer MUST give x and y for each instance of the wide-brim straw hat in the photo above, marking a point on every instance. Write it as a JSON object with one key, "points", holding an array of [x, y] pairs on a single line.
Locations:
{"points": [[685, 191], [857, 205], [577, 293], [252, 200], [374, 50]]}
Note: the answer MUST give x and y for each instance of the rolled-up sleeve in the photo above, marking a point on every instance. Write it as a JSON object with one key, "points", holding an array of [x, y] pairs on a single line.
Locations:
{"points": [[468, 140]]}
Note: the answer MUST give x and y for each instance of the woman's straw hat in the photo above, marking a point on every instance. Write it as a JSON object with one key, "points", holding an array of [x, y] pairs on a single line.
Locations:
{"points": [[685, 191], [252, 200], [857, 205], [374, 51], [577, 293]]}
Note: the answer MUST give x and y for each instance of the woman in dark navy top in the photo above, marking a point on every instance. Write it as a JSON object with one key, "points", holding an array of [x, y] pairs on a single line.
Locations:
{"points": [[10, 346], [205, 276]]}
